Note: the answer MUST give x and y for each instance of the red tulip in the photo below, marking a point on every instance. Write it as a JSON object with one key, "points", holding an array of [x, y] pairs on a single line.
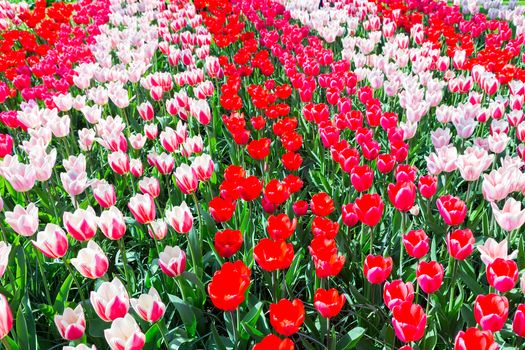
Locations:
{"points": [[427, 186], [328, 302], [321, 204], [6, 145], [405, 173], [273, 342], [502, 274], [300, 207], [429, 276], [228, 285], [396, 292], [220, 209], [280, 226], [286, 316], [385, 163], [276, 192], [362, 177], [452, 209], [460, 243], [409, 321], [228, 242], [369, 208], [377, 268], [402, 195], [292, 161], [475, 339], [326, 259], [251, 188], [273, 255], [518, 325], [349, 215], [259, 149], [324, 227], [491, 311], [416, 243]]}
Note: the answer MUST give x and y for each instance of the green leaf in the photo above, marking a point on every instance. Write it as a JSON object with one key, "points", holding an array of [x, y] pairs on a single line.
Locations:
{"points": [[186, 314], [25, 326], [61, 299], [351, 339], [217, 338], [430, 341]]}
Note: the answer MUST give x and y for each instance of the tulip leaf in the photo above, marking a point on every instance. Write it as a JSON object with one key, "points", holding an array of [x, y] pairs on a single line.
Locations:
{"points": [[186, 314], [217, 338], [61, 299], [25, 326], [351, 339], [521, 254], [430, 340]]}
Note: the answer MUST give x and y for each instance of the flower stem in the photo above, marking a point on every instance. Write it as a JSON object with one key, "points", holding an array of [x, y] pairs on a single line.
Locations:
{"points": [[43, 274], [235, 317], [452, 284], [72, 272], [124, 261]]}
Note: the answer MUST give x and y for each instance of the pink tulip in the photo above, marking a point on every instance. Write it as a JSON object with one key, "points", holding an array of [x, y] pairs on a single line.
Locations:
{"points": [[23, 221], [149, 306], [104, 193], [5, 249], [493, 250], [52, 242], [158, 229], [200, 109], [473, 162], [510, 217], [151, 131], [164, 163], [71, 324], [21, 176], [110, 301], [137, 141], [169, 140], [142, 207], [91, 261], [203, 167], [172, 261], [135, 167], [180, 218], [112, 224], [80, 347], [119, 162], [150, 185], [145, 110], [125, 334], [186, 179], [192, 145], [6, 317], [82, 224]]}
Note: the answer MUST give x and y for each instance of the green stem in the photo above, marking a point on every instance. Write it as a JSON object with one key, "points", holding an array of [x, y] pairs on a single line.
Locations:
{"points": [[124, 262], [371, 240], [72, 272], [452, 284], [160, 325], [43, 274], [5, 344], [401, 246], [234, 317]]}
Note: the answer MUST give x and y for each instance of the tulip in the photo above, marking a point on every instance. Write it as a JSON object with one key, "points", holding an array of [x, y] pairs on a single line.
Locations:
{"points": [[362, 178], [427, 186], [349, 215], [228, 242], [250, 188], [452, 209], [286, 316], [91, 261], [273, 255], [324, 227], [409, 321], [180, 218], [6, 145], [328, 302], [150, 185], [273, 342], [136, 168], [518, 324], [172, 261], [220, 209], [416, 243], [492, 250], [510, 217], [429, 276], [186, 179], [397, 292], [228, 285], [259, 149], [158, 229], [52, 242], [119, 162], [369, 208], [149, 306], [280, 226], [377, 268], [203, 167], [125, 334], [491, 311], [104, 194], [402, 195], [110, 301], [460, 243], [71, 324], [321, 204], [80, 347], [112, 223], [502, 274], [23, 221], [5, 249], [475, 339], [300, 208], [6, 317], [82, 224], [142, 207]]}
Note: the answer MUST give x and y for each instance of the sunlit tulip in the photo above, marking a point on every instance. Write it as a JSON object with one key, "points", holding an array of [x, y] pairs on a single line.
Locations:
{"points": [[52, 242], [6, 317], [149, 306], [5, 249], [125, 334], [511, 216], [186, 179], [492, 250], [71, 324], [180, 218], [112, 224], [142, 207], [110, 301], [172, 261], [23, 221], [91, 261], [82, 224]]}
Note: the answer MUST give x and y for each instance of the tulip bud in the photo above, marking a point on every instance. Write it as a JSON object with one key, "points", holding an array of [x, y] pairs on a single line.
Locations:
{"points": [[71, 324], [172, 261], [149, 306], [110, 301], [125, 333]]}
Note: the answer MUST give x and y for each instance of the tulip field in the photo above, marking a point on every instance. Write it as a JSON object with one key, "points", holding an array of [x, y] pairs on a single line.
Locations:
{"points": [[262, 174]]}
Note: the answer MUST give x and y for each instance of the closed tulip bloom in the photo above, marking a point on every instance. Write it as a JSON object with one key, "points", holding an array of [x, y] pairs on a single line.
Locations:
{"points": [[203, 167], [349, 215], [416, 243], [518, 324], [369, 208], [228, 242], [52, 242], [91, 261], [511, 216], [492, 250], [273, 342], [502, 274], [429, 276], [6, 317], [119, 162], [82, 224], [377, 268], [149, 306], [136, 168], [452, 209], [397, 292], [104, 193], [402, 195], [142, 207], [110, 301], [112, 223], [228, 285], [409, 321], [23, 221], [362, 177], [286, 316], [427, 186], [280, 226], [475, 339], [491, 311], [321, 204], [5, 249], [460, 243], [6, 145], [186, 179], [273, 255], [221, 210], [125, 334], [150, 185], [180, 218], [71, 324], [328, 302], [172, 261]]}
